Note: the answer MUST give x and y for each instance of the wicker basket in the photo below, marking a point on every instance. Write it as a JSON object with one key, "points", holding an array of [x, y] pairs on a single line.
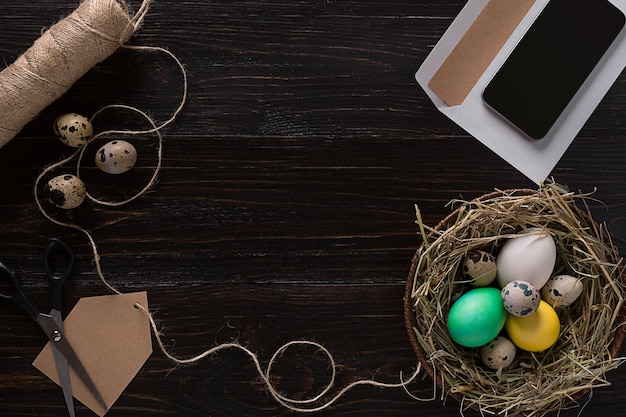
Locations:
{"points": [[592, 329]]}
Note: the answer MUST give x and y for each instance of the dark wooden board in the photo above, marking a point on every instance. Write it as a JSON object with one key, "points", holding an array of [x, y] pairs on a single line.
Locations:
{"points": [[285, 206]]}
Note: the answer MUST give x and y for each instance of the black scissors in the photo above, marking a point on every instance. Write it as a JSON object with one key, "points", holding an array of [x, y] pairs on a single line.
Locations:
{"points": [[52, 323]]}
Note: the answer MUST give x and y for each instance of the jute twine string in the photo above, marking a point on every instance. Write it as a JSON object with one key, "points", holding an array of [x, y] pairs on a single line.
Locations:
{"points": [[108, 34], [57, 59]]}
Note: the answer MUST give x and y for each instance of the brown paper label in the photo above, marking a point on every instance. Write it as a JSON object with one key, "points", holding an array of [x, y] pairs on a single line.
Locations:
{"points": [[469, 59], [112, 339]]}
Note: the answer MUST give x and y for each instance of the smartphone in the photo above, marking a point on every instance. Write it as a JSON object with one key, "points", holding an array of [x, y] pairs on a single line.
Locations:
{"points": [[550, 63]]}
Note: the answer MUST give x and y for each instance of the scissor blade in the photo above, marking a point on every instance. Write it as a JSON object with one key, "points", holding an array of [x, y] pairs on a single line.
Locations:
{"points": [[58, 339], [64, 379], [62, 368]]}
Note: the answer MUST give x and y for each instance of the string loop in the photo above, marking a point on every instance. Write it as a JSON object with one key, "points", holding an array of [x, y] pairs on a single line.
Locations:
{"points": [[307, 405]]}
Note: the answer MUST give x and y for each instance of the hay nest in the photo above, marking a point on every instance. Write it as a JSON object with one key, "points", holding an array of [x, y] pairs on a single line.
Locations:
{"points": [[592, 329]]}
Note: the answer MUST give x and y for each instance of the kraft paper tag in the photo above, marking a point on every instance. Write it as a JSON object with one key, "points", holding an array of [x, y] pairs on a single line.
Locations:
{"points": [[112, 339], [469, 59]]}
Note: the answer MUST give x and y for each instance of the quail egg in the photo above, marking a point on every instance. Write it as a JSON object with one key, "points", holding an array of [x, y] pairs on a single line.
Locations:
{"points": [[66, 191], [480, 267], [116, 157], [520, 298], [73, 129], [562, 290], [499, 353]]}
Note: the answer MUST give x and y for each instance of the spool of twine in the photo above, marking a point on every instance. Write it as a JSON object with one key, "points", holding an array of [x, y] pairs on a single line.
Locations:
{"points": [[63, 54]]}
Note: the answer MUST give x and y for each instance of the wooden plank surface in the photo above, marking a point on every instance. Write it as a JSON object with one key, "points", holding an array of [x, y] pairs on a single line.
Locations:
{"points": [[285, 206]]}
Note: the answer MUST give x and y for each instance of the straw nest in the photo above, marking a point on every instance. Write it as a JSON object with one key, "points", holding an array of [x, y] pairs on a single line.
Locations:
{"points": [[592, 329]]}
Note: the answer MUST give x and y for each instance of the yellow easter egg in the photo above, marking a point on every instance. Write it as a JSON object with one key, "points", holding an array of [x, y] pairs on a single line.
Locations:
{"points": [[535, 332]]}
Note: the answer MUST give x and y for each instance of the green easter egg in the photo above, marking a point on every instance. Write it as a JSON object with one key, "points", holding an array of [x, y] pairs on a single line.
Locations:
{"points": [[477, 317]]}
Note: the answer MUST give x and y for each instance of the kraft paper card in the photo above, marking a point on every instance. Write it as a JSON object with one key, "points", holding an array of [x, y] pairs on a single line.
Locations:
{"points": [[113, 341], [469, 54]]}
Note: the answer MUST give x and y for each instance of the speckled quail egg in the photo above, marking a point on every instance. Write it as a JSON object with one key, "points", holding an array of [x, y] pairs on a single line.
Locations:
{"points": [[73, 129], [480, 267], [499, 353], [116, 157], [562, 290], [520, 298], [66, 191]]}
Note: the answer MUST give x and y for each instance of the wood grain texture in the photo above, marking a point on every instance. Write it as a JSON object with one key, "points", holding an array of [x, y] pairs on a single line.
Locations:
{"points": [[285, 206]]}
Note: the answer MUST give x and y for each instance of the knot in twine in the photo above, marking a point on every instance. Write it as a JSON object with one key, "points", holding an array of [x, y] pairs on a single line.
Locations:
{"points": [[63, 54]]}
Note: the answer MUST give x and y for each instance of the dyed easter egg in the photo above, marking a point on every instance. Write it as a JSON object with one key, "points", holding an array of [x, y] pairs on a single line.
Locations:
{"points": [[535, 332], [530, 257], [476, 317]]}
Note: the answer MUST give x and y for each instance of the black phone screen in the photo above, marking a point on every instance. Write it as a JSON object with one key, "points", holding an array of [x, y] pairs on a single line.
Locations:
{"points": [[551, 62]]}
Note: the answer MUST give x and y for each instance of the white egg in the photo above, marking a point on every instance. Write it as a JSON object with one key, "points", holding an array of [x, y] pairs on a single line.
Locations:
{"points": [[530, 257], [562, 290]]}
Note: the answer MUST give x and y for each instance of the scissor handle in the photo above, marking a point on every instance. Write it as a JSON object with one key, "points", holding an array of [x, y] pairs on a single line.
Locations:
{"points": [[17, 296], [56, 279]]}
